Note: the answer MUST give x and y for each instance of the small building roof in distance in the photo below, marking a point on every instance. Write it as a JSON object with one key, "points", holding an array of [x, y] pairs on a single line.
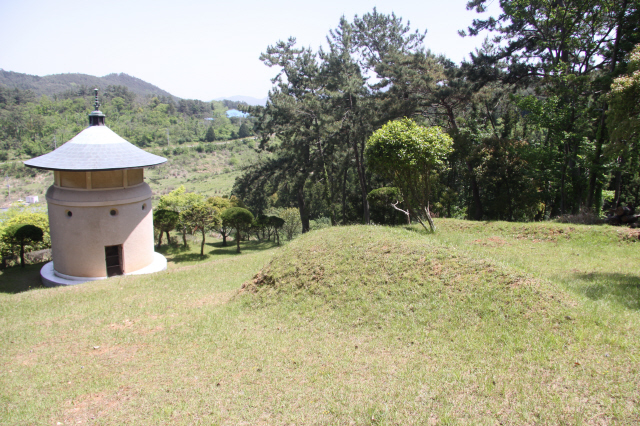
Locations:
{"points": [[96, 148]]}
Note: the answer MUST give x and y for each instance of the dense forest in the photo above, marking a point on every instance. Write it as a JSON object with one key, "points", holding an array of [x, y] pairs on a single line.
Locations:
{"points": [[33, 125], [544, 117]]}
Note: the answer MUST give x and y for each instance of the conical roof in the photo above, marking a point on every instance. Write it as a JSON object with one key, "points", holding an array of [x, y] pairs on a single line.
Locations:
{"points": [[96, 148]]}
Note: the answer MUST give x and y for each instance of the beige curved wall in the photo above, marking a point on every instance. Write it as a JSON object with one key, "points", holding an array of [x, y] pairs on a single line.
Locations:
{"points": [[78, 241]]}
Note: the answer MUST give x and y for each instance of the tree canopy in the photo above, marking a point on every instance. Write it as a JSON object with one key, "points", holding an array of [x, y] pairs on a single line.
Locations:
{"points": [[239, 219], [408, 154], [535, 127], [165, 221], [178, 201], [201, 216]]}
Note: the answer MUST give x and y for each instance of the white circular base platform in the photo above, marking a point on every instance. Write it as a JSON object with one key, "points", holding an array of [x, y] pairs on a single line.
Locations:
{"points": [[51, 278]]}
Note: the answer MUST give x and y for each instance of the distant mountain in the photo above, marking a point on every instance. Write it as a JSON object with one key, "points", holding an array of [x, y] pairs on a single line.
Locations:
{"points": [[247, 99], [57, 83]]}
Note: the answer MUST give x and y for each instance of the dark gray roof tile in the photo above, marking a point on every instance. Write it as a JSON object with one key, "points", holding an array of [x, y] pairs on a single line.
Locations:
{"points": [[96, 148]]}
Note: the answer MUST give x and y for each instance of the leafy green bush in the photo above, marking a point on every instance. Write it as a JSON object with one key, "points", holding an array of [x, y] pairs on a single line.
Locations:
{"points": [[276, 223], [201, 216], [23, 216], [23, 237], [238, 218], [165, 221], [292, 223], [408, 154], [320, 223]]}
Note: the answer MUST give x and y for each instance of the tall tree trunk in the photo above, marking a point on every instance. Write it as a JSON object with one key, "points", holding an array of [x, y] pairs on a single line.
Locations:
{"points": [[475, 190], [238, 237], [344, 195], [359, 156], [184, 236], [597, 160], [302, 208], [328, 188], [202, 243], [363, 181], [618, 188], [562, 189], [22, 255], [577, 181]]}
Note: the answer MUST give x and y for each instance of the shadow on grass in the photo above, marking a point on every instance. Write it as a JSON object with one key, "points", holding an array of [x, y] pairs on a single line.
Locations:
{"points": [[189, 257], [245, 246], [17, 280], [417, 228], [168, 250], [180, 254], [623, 289]]}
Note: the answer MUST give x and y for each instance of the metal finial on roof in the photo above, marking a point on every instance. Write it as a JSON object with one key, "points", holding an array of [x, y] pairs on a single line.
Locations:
{"points": [[96, 118]]}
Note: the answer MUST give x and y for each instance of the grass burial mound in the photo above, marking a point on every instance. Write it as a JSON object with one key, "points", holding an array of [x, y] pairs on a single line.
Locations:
{"points": [[400, 328], [349, 325]]}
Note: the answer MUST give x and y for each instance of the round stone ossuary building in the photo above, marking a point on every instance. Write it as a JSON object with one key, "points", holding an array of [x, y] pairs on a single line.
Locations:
{"points": [[100, 216]]}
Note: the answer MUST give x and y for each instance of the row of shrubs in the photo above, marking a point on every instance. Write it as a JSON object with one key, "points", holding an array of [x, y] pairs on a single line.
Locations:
{"points": [[191, 213], [26, 230]]}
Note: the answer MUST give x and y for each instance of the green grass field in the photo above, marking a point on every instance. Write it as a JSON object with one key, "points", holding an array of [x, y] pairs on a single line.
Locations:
{"points": [[481, 323]]}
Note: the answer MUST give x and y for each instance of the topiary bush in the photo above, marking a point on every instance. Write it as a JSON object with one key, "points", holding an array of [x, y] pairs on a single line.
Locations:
{"points": [[22, 236], [239, 219]]}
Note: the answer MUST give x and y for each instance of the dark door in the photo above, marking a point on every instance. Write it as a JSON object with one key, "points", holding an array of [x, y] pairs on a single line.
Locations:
{"points": [[113, 255]]}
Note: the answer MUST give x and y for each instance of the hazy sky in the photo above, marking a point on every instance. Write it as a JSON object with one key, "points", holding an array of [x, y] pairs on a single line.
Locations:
{"points": [[197, 49]]}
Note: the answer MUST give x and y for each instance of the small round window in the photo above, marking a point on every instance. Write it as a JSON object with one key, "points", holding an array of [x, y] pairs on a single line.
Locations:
{"points": [[113, 212], [69, 213], [144, 206]]}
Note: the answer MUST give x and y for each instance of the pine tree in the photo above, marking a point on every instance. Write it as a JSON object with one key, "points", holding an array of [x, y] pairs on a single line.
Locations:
{"points": [[244, 131], [210, 136]]}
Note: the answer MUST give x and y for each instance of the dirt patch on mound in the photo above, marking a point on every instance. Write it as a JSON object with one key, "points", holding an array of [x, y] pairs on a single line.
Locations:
{"points": [[543, 234], [491, 242], [631, 235], [261, 279], [90, 407]]}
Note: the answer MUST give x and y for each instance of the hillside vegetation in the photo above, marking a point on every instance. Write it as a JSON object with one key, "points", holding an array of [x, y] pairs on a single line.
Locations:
{"points": [[197, 137], [347, 325], [50, 85], [206, 168], [31, 125]]}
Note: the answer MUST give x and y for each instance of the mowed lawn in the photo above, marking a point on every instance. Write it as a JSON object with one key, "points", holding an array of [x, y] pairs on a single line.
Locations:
{"points": [[482, 323]]}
